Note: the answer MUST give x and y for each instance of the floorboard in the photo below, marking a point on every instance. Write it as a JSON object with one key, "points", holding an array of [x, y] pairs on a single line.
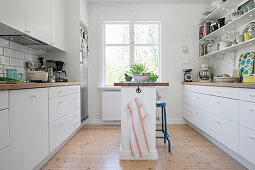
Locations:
{"points": [[96, 147]]}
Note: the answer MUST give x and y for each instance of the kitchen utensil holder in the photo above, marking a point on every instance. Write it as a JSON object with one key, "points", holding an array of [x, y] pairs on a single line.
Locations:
{"points": [[138, 90]]}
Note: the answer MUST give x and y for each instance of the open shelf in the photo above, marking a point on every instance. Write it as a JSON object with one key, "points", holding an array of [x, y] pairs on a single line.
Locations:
{"points": [[221, 11], [231, 48], [244, 19]]}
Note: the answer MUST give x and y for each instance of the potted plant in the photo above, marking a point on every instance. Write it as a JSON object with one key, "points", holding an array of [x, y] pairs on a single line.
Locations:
{"points": [[139, 73], [153, 77]]}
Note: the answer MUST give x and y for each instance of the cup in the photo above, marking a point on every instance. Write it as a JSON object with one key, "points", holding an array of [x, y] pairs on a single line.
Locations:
{"points": [[221, 22], [13, 74], [246, 36], [250, 7], [240, 38]]}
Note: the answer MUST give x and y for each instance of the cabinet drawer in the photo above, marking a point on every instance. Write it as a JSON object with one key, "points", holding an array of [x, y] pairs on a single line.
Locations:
{"points": [[247, 95], [73, 102], [58, 107], [223, 107], [5, 159], [195, 88], [73, 89], [58, 91], [4, 100], [60, 129], [247, 114], [247, 144], [224, 131], [4, 129], [223, 92]]}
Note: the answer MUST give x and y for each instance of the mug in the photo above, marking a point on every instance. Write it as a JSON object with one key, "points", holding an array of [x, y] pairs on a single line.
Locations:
{"points": [[246, 36], [13, 74], [240, 38], [250, 7]]}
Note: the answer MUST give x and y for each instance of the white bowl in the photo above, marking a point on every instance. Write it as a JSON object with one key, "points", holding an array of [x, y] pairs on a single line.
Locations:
{"points": [[141, 78]]}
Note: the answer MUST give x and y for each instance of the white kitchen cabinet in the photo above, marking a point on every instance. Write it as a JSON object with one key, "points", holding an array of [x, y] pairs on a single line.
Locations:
{"points": [[38, 19], [247, 144], [29, 138], [4, 128], [4, 100], [58, 24], [5, 159], [13, 13], [247, 114]]}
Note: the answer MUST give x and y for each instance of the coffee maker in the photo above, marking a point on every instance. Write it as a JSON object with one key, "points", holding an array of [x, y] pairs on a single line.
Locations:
{"points": [[60, 73]]}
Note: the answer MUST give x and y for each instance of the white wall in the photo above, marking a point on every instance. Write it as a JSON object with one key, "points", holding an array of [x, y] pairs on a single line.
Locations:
{"points": [[84, 11], [179, 27]]}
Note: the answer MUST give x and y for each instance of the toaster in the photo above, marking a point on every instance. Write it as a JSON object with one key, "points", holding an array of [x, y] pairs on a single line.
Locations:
{"points": [[37, 76]]}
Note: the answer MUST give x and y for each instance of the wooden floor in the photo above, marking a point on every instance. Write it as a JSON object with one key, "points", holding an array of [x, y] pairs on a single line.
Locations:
{"points": [[97, 147]]}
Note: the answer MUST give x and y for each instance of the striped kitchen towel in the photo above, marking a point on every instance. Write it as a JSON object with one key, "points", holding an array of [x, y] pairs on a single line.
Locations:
{"points": [[137, 115]]}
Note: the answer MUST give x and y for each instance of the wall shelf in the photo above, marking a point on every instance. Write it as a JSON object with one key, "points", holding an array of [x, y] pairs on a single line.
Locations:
{"points": [[244, 19], [231, 48], [221, 11]]}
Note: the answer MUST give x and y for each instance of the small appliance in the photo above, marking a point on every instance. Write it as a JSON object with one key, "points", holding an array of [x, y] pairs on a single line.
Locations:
{"points": [[60, 72], [205, 74], [37, 76], [187, 75]]}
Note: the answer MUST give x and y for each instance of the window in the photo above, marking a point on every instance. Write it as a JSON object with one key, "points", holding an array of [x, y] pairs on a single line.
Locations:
{"points": [[126, 43]]}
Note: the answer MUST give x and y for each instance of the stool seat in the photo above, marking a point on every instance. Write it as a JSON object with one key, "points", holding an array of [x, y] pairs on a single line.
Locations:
{"points": [[160, 104]]}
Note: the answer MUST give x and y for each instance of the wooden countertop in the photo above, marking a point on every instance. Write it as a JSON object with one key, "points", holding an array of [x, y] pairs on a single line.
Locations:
{"points": [[19, 86], [233, 85], [140, 84]]}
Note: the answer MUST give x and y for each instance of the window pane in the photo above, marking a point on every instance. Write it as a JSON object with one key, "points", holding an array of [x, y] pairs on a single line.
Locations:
{"points": [[116, 64], [117, 34], [148, 55], [146, 33]]}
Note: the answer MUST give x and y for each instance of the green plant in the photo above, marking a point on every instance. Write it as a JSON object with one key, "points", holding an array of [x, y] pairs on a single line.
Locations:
{"points": [[137, 69], [153, 76]]}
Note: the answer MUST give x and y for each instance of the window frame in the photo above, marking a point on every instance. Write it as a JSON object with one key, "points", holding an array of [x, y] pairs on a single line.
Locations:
{"points": [[131, 44]]}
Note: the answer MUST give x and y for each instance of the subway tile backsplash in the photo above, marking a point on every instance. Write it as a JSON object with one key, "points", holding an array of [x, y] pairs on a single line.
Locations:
{"points": [[15, 56]]}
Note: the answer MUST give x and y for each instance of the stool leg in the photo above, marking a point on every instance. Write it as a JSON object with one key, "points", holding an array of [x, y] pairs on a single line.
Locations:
{"points": [[166, 134], [162, 117]]}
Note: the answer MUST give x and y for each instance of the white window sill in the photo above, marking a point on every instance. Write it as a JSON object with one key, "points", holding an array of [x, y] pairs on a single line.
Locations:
{"points": [[108, 88]]}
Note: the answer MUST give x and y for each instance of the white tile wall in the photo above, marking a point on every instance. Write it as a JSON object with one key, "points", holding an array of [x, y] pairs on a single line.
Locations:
{"points": [[15, 56]]}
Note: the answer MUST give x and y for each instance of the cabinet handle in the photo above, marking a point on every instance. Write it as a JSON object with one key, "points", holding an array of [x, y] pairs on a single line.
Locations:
{"points": [[219, 123], [60, 124], [251, 110], [252, 137], [60, 102], [33, 96], [60, 91]]}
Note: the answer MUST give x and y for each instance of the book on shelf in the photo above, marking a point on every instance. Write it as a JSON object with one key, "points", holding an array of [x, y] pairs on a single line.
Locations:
{"points": [[203, 49], [205, 30]]}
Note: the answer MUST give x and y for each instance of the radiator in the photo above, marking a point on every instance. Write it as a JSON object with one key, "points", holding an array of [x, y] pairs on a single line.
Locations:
{"points": [[111, 105]]}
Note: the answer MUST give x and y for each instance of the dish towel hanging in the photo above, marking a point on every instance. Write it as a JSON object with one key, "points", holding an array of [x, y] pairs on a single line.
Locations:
{"points": [[137, 115]]}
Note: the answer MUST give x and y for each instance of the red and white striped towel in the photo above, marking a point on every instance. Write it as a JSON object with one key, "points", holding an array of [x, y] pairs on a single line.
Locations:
{"points": [[138, 142]]}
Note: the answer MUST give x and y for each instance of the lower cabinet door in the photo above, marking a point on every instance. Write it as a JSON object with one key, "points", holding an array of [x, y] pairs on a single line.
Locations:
{"points": [[226, 132], [247, 144], [5, 159], [29, 132], [4, 128]]}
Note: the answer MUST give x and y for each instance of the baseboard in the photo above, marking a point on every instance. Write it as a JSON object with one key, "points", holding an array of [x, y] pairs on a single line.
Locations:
{"points": [[45, 160], [125, 155], [228, 151], [101, 122], [176, 121]]}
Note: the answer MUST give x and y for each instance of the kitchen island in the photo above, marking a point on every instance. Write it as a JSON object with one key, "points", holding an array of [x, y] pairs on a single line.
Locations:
{"points": [[138, 121]]}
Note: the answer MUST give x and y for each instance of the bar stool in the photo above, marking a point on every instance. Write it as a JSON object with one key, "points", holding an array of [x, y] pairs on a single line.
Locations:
{"points": [[162, 105]]}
